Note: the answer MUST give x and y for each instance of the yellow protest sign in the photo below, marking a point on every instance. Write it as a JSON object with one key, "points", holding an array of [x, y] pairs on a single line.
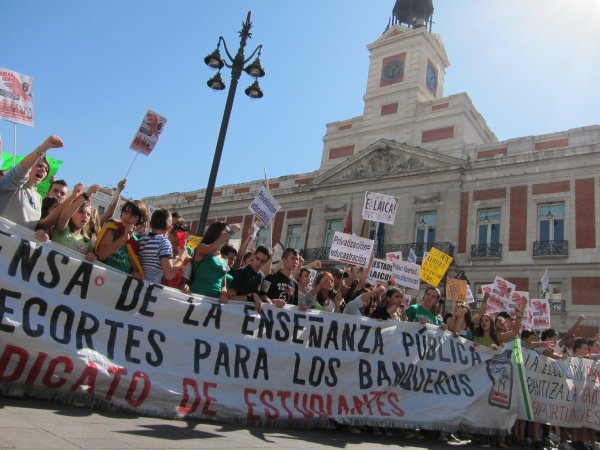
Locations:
{"points": [[456, 289], [434, 266], [193, 241]]}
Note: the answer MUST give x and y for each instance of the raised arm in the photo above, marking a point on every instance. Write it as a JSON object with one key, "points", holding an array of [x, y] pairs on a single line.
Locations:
{"points": [[112, 207], [72, 208], [32, 158]]}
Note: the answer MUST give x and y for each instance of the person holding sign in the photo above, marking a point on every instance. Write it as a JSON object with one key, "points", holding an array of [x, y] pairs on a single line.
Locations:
{"points": [[423, 312], [19, 199], [280, 288], [209, 268]]}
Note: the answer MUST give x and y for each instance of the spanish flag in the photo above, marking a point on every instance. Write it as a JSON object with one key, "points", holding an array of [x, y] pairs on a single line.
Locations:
{"points": [[364, 230]]}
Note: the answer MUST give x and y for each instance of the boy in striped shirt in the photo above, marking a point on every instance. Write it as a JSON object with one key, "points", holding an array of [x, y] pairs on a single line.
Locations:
{"points": [[156, 252]]}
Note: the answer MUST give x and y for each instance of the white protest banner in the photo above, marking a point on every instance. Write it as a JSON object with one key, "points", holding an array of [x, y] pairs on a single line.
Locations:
{"points": [[412, 256], [264, 206], [564, 393], [434, 266], [545, 282], [393, 256], [381, 271], [351, 249], [406, 274], [16, 97], [380, 207], [148, 133], [72, 329], [541, 314]]}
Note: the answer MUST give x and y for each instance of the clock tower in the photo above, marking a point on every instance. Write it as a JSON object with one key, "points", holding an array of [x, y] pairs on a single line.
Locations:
{"points": [[404, 100], [407, 66]]}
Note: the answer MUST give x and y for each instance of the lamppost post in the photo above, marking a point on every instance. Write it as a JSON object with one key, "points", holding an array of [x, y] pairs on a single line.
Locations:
{"points": [[236, 65]]}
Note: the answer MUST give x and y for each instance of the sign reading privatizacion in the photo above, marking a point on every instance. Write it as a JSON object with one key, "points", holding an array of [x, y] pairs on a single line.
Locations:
{"points": [[71, 328], [380, 207], [148, 133], [434, 266], [351, 249], [16, 97], [264, 206]]}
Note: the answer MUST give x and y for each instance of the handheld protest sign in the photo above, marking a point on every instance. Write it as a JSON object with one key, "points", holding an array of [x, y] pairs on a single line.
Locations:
{"points": [[351, 249], [148, 133], [540, 309], [264, 206], [393, 256], [380, 207], [434, 266], [406, 274], [16, 97], [193, 241], [380, 272], [456, 289]]}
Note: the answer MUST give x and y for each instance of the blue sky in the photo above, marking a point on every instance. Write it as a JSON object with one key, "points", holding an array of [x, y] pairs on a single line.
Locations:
{"points": [[530, 67]]}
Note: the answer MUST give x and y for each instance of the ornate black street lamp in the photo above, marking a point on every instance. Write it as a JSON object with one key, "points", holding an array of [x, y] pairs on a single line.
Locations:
{"points": [[236, 64]]}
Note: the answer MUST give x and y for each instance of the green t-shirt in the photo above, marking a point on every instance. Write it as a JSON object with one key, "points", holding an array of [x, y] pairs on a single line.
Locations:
{"points": [[415, 313], [120, 259]]}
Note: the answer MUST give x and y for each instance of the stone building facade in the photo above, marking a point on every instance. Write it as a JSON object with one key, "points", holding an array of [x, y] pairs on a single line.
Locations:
{"points": [[513, 208]]}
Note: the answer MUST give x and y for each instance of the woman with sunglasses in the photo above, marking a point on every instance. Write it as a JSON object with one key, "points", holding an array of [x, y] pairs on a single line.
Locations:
{"points": [[461, 322]]}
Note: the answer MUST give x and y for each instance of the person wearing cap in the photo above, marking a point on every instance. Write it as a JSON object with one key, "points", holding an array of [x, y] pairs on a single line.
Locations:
{"points": [[19, 199]]}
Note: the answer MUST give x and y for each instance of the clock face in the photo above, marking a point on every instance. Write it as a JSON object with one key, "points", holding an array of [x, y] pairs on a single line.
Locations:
{"points": [[431, 78], [393, 70]]}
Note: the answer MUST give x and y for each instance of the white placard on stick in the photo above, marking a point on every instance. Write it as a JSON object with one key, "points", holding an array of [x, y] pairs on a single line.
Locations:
{"points": [[380, 207], [16, 97], [351, 249], [148, 133], [264, 206]]}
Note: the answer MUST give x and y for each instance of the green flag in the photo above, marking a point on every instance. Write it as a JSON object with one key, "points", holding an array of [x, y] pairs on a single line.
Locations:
{"points": [[42, 188]]}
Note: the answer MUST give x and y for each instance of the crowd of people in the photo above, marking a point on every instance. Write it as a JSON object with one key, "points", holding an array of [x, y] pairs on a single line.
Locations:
{"points": [[155, 247]]}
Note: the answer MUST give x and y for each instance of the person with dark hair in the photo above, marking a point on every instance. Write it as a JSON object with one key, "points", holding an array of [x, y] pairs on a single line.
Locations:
{"points": [[178, 237], [460, 321], [156, 253], [19, 199], [485, 333], [247, 280], [392, 299], [58, 189], [423, 312], [206, 275], [280, 288], [117, 244]]}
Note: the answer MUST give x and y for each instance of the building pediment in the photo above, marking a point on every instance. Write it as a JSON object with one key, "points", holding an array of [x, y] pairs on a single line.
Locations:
{"points": [[387, 159]]}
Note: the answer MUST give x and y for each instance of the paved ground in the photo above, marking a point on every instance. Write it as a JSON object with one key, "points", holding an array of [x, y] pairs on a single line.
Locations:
{"points": [[34, 424]]}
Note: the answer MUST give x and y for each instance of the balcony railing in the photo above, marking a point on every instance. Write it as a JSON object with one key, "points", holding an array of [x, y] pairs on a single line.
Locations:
{"points": [[551, 248], [322, 253], [486, 251]]}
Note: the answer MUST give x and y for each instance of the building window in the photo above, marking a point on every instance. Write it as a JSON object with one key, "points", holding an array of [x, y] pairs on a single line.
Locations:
{"points": [[262, 237], [101, 209], [294, 239], [554, 296], [551, 219], [332, 227], [426, 224], [488, 234]]}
